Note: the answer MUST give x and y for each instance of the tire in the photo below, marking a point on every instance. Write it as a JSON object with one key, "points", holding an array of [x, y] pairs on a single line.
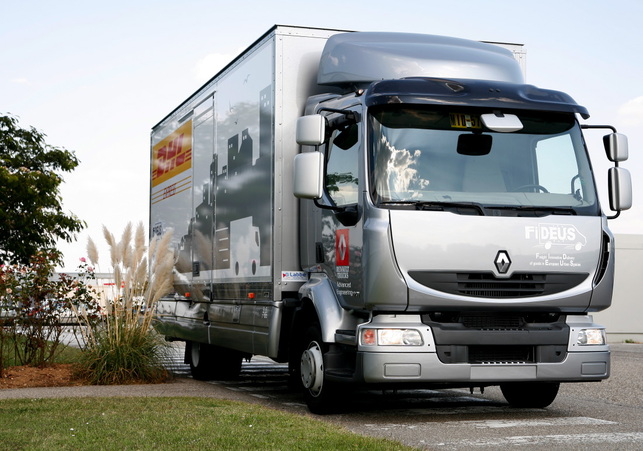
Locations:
{"points": [[227, 363], [208, 362], [531, 395], [198, 356], [319, 393]]}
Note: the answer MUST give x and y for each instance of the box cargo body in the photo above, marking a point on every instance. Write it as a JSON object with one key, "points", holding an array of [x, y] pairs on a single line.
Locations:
{"points": [[221, 180]]}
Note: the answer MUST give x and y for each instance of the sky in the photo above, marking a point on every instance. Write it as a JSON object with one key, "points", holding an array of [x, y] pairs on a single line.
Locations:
{"points": [[95, 77]]}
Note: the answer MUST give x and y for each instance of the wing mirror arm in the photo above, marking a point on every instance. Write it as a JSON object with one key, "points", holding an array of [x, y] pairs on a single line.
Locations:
{"points": [[619, 179]]}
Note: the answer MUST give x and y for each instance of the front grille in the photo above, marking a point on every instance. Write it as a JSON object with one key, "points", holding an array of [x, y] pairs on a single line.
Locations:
{"points": [[491, 321], [486, 285], [501, 354]]}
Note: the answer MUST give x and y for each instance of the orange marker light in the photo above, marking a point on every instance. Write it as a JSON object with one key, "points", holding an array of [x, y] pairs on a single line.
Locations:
{"points": [[368, 337]]}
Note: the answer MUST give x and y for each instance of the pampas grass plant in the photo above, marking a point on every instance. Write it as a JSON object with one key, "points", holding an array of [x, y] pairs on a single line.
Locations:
{"points": [[123, 347]]}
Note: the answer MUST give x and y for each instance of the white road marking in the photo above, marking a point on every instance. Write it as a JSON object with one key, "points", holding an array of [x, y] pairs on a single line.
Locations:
{"points": [[478, 409], [494, 424], [561, 421], [558, 440], [562, 440]]}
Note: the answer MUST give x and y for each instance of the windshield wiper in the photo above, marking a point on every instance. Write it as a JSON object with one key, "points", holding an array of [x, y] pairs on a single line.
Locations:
{"points": [[461, 208], [533, 210], [474, 208]]}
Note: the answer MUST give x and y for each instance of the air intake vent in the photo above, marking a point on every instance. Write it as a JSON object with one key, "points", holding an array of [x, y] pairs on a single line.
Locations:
{"points": [[605, 256], [491, 321], [501, 354], [486, 285]]}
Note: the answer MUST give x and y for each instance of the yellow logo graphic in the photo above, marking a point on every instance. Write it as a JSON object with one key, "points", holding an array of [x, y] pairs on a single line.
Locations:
{"points": [[172, 155]]}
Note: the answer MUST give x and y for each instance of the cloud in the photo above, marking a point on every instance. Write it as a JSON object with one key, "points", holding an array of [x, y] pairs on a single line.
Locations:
{"points": [[20, 81], [210, 64], [631, 113]]}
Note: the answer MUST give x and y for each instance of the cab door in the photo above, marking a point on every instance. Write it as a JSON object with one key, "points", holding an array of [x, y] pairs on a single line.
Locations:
{"points": [[341, 218]]}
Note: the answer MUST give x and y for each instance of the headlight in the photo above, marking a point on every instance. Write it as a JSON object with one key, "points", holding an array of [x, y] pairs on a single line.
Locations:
{"points": [[391, 337], [591, 337]]}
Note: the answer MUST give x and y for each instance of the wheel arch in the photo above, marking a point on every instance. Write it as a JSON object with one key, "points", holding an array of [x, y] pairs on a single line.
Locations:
{"points": [[319, 301]]}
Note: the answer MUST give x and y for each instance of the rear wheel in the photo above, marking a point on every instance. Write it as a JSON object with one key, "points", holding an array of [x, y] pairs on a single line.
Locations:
{"points": [[320, 394], [533, 394], [208, 362]]}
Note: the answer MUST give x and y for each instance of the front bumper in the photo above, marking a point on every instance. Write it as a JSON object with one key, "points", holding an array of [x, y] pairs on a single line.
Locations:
{"points": [[389, 367], [557, 355]]}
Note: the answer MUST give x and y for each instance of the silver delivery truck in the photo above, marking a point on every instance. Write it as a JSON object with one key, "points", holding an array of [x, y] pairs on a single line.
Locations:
{"points": [[386, 210]]}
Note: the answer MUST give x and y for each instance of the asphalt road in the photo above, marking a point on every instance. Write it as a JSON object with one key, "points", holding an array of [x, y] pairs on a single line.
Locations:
{"points": [[591, 416]]}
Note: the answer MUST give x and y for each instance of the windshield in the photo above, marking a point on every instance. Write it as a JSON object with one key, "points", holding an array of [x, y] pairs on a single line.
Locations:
{"points": [[435, 158]]}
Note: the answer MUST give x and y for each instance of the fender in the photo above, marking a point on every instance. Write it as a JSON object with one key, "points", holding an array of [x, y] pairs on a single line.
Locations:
{"points": [[604, 282], [330, 313]]}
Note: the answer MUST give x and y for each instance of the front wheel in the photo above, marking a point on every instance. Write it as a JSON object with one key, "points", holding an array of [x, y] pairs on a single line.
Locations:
{"points": [[532, 395], [320, 394]]}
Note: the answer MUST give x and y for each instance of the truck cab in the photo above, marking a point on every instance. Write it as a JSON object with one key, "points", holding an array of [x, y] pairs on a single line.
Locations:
{"points": [[450, 224]]}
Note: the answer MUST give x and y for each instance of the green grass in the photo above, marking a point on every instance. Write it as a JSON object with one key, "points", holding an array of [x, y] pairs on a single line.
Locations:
{"points": [[69, 354], [167, 423], [64, 354]]}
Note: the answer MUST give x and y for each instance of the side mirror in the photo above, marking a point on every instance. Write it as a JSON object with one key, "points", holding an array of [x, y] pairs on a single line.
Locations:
{"points": [[311, 130], [620, 189], [308, 175], [616, 147]]}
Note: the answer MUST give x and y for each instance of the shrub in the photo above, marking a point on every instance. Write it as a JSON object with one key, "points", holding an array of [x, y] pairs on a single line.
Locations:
{"points": [[33, 304], [123, 347]]}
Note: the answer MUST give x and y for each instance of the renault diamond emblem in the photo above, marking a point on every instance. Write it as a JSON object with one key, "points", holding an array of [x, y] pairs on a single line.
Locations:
{"points": [[502, 262]]}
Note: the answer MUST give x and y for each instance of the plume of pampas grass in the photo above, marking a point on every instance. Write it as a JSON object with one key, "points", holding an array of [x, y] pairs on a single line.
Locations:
{"points": [[140, 277], [137, 269], [163, 245], [118, 281], [92, 251], [113, 247], [161, 258], [152, 249], [124, 247], [139, 242]]}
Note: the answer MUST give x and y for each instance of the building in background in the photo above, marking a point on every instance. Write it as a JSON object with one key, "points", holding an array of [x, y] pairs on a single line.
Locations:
{"points": [[624, 319]]}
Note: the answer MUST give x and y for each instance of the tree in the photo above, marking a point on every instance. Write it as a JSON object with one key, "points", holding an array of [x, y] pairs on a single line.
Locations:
{"points": [[31, 214]]}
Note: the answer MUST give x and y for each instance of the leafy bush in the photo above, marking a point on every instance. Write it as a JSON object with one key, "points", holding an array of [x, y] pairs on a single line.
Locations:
{"points": [[33, 307], [123, 347]]}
